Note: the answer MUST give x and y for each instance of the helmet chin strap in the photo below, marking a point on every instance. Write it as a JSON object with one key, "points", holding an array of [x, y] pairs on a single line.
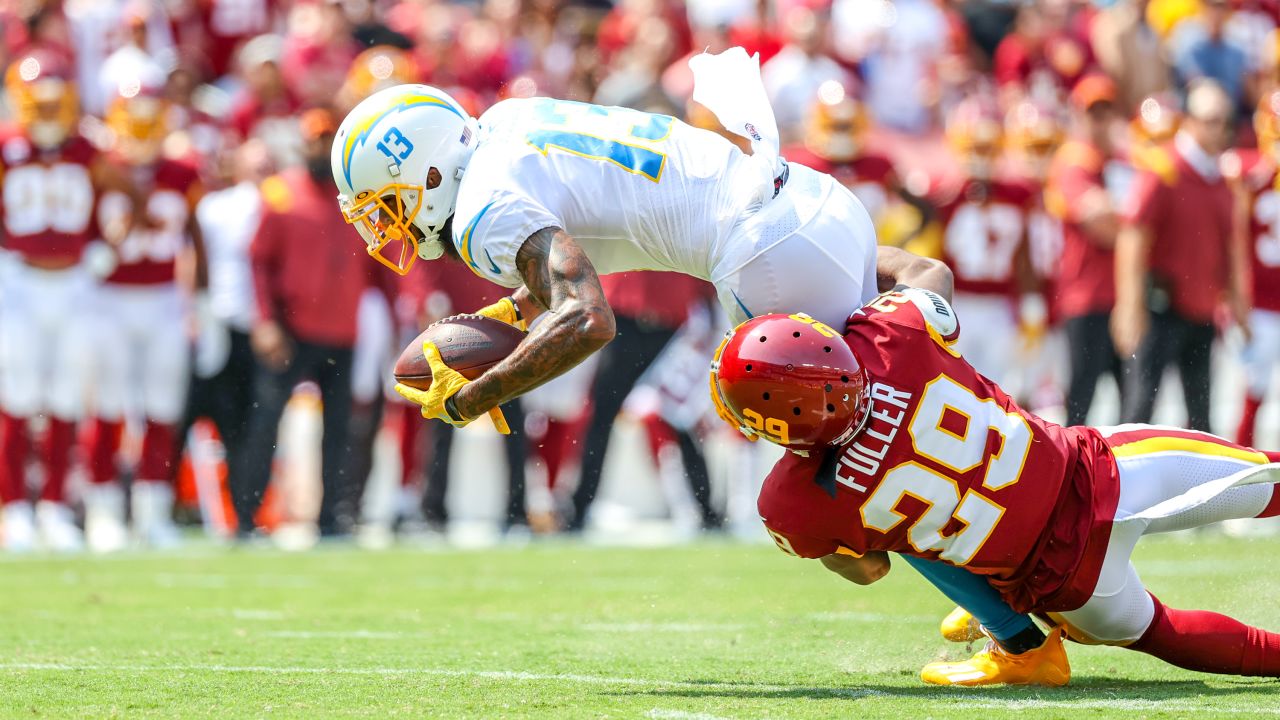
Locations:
{"points": [[430, 249]]}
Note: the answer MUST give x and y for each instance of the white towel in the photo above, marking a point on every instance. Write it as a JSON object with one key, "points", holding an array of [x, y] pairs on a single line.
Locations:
{"points": [[729, 85]]}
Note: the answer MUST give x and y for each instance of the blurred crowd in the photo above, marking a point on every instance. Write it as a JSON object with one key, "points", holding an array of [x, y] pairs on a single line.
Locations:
{"points": [[1101, 177]]}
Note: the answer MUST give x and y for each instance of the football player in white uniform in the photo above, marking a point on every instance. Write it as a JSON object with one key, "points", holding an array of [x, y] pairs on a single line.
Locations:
{"points": [[541, 195]]}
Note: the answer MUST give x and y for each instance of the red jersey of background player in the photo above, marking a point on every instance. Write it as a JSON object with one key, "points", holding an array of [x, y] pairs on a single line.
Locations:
{"points": [[1259, 178], [870, 177], [150, 246], [984, 234], [949, 467], [48, 196]]}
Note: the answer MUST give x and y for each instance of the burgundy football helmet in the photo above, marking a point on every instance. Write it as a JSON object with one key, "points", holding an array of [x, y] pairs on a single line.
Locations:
{"points": [[791, 380]]}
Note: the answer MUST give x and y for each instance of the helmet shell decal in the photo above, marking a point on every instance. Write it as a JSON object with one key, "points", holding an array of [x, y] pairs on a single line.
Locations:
{"points": [[361, 132]]}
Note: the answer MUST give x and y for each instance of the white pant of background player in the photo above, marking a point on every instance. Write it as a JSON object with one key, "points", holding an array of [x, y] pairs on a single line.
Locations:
{"points": [[989, 337], [1170, 479], [1261, 356], [143, 370], [45, 358]]}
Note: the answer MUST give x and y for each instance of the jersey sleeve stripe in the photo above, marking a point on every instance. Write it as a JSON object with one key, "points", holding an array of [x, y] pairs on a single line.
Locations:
{"points": [[464, 247]]}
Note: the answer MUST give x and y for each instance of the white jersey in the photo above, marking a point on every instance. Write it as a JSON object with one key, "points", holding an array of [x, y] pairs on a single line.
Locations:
{"points": [[636, 191]]}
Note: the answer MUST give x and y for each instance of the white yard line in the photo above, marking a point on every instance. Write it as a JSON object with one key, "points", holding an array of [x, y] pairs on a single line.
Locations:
{"points": [[344, 634], [254, 614], [869, 617], [661, 714], [436, 672], [960, 699], [1130, 704], [673, 627]]}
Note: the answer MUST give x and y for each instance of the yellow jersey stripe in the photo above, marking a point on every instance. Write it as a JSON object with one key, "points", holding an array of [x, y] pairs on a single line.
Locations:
{"points": [[1177, 444]]}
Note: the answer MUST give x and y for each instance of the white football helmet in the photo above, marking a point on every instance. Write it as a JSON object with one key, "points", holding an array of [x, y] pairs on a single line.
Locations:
{"points": [[398, 160]]}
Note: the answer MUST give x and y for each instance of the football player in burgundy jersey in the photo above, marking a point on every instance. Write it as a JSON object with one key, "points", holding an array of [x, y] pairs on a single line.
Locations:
{"points": [[143, 353], [1254, 177], [897, 444], [50, 174], [1035, 131], [984, 217]]}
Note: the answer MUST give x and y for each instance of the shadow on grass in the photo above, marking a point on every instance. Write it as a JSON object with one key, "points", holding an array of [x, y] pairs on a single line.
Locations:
{"points": [[1080, 689]]}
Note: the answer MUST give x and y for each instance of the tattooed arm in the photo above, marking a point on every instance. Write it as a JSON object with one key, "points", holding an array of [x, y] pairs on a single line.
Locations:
{"points": [[558, 277]]}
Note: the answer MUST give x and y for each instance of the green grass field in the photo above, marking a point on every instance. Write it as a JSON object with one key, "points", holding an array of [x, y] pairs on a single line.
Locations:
{"points": [[558, 631]]}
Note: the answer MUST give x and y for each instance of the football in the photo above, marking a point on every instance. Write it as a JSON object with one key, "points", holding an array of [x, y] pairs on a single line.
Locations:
{"points": [[469, 344]]}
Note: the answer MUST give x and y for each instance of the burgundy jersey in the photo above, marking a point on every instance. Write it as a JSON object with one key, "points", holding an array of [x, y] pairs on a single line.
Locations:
{"points": [[984, 230], [1189, 217], [949, 468], [1259, 178], [149, 249], [48, 196], [870, 177]]}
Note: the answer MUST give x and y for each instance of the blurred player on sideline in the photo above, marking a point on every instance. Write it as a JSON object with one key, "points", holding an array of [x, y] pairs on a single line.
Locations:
{"points": [[1035, 131], [985, 241], [1084, 292], [897, 444], [49, 184], [835, 143], [1176, 259], [1256, 182], [143, 351]]}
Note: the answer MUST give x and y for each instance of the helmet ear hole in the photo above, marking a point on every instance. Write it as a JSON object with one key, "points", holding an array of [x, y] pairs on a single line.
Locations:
{"points": [[434, 178]]}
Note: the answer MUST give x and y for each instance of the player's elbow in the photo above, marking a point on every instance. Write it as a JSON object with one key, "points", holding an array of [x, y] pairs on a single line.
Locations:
{"points": [[862, 570], [595, 325]]}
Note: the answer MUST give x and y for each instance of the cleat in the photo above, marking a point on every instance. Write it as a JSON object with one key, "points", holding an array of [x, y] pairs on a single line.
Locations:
{"points": [[104, 527], [57, 527], [960, 627], [19, 527], [1047, 666], [153, 515]]}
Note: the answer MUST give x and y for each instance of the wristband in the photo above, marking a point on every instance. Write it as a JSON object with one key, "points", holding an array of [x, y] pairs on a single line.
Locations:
{"points": [[451, 409]]}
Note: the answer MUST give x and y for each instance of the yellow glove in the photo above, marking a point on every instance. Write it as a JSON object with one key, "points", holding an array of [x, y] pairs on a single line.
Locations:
{"points": [[445, 383], [505, 310]]}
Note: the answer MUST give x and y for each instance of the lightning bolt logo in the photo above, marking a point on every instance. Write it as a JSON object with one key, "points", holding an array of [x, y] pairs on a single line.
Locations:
{"points": [[361, 130]]}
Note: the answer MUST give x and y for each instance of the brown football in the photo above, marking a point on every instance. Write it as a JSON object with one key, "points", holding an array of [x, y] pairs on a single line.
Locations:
{"points": [[469, 344]]}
